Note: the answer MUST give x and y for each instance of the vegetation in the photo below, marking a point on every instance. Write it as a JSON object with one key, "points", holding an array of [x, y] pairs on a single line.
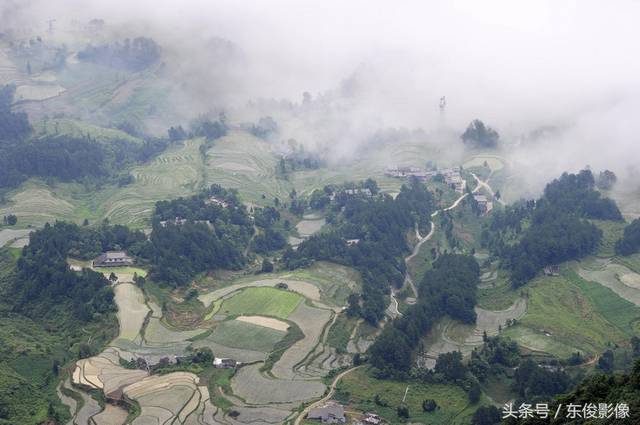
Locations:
{"points": [[378, 224], [263, 301], [449, 288], [192, 235], [630, 241], [554, 229], [599, 389], [479, 135], [134, 55]]}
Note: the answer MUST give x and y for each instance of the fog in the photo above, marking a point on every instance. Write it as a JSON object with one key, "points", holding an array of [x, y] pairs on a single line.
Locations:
{"points": [[519, 66]]}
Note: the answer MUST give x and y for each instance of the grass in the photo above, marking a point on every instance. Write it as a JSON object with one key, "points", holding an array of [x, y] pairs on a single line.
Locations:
{"points": [[340, 332], [263, 301], [359, 389], [579, 315], [611, 232], [246, 336], [122, 270], [176, 172], [500, 296], [74, 128]]}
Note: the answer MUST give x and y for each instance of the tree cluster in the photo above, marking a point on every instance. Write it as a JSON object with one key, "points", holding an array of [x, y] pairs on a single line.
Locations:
{"points": [[630, 241], [44, 281], [132, 55], [449, 288], [378, 224]]}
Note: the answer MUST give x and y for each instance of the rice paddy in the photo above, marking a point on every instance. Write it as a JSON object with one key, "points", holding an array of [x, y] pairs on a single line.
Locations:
{"points": [[262, 301]]}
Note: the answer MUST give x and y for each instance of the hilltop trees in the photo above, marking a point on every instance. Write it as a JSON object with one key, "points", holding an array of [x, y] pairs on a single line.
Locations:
{"points": [[133, 55], [630, 241], [378, 225], [557, 228], [449, 288], [479, 135]]}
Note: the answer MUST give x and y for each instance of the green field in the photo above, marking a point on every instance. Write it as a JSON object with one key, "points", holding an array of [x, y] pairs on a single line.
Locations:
{"points": [[263, 301], [611, 232], [246, 336], [576, 315], [359, 389], [74, 128], [176, 172]]}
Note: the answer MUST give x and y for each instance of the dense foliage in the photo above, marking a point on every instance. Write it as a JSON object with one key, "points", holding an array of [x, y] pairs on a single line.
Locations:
{"points": [[61, 156], [13, 126], [202, 232], [44, 278], [552, 238], [377, 226], [531, 235], [611, 389], [449, 288], [134, 55], [479, 135], [630, 241], [576, 194]]}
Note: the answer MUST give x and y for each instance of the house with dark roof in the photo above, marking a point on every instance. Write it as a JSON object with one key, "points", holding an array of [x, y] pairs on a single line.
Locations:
{"points": [[113, 259], [332, 413]]}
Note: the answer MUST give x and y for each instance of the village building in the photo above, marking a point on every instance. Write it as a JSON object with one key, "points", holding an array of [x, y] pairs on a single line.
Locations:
{"points": [[216, 201], [353, 192], [372, 419], [75, 268], [112, 259], [224, 363], [407, 172], [331, 413], [176, 222], [553, 270], [351, 242], [483, 203]]}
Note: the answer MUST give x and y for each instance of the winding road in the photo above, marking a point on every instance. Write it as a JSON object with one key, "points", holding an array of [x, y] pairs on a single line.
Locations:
{"points": [[332, 390]]}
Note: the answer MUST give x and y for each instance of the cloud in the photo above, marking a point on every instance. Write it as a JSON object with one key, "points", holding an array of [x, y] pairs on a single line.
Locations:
{"points": [[519, 66]]}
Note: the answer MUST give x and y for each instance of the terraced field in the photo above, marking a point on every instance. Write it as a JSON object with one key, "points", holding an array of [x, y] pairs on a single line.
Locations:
{"points": [[263, 301], [359, 389], [567, 314], [244, 162]]}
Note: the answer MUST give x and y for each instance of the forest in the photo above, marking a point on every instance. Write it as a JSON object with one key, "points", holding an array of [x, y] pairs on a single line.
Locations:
{"points": [[379, 224], [132, 54], [44, 283], [448, 288], [191, 235], [630, 241], [533, 234]]}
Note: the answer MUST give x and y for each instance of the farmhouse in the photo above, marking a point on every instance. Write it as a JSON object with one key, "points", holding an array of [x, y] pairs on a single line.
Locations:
{"points": [[405, 172], [353, 192], [75, 268], [222, 363], [332, 413], [112, 259], [215, 201], [176, 222], [553, 270], [372, 418], [483, 203], [351, 242]]}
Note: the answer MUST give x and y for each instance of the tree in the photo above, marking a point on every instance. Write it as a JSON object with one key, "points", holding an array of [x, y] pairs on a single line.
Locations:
{"points": [[113, 278], [606, 180], [486, 415], [479, 135], [403, 411], [450, 365], [605, 362], [429, 405], [267, 266], [10, 219]]}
